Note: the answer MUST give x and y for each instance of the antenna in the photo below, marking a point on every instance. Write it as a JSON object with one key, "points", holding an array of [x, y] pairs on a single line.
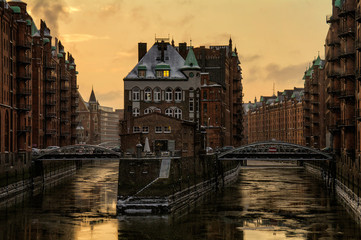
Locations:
{"points": [[274, 89], [191, 42]]}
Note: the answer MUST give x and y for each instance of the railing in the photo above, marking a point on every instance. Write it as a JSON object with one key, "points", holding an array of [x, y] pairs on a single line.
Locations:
{"points": [[64, 99], [24, 129], [346, 123], [24, 44], [333, 128], [345, 31], [23, 76], [333, 73], [347, 8], [64, 78], [24, 60], [24, 107], [64, 119], [64, 88], [332, 90], [50, 132], [333, 106], [74, 114], [50, 65], [50, 90], [25, 92], [50, 78], [348, 74], [64, 134], [50, 115], [64, 109], [347, 94], [349, 52], [50, 103]]}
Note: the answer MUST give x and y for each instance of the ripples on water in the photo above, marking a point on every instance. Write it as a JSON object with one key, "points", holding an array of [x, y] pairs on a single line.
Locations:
{"points": [[264, 204]]}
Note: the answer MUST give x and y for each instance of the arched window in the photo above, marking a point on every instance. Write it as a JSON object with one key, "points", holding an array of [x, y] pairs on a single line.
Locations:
{"points": [[178, 113], [168, 94], [136, 112], [148, 110], [156, 94], [169, 112], [136, 94], [148, 94], [178, 94]]}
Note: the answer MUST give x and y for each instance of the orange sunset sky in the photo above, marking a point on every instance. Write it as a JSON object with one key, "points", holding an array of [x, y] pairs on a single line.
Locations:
{"points": [[276, 39]]}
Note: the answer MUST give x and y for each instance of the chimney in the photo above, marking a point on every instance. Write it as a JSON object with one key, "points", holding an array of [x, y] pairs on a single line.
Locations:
{"points": [[183, 50], [142, 50]]}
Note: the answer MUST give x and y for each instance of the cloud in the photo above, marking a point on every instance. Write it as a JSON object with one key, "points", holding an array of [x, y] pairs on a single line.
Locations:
{"points": [[51, 12], [110, 9], [285, 74], [72, 9], [78, 37], [110, 96], [250, 58]]}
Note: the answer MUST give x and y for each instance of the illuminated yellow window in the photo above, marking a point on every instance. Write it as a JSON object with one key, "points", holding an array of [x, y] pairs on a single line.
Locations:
{"points": [[166, 73]]}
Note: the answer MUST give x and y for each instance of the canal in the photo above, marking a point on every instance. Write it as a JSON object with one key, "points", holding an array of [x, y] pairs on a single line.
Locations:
{"points": [[264, 204]]}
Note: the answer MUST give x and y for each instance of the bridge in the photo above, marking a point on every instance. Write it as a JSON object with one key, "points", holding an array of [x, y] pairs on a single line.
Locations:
{"points": [[274, 151], [79, 152]]}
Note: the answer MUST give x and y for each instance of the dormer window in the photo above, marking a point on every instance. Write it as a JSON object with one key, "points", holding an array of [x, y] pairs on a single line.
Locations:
{"points": [[142, 71], [162, 70], [166, 73]]}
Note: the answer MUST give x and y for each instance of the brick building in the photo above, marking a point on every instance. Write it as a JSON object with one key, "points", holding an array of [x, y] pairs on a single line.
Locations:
{"points": [[278, 117], [315, 105], [223, 67], [38, 93]]}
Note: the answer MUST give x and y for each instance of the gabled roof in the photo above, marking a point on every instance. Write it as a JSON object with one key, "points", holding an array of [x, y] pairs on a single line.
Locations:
{"points": [[191, 61], [152, 59]]}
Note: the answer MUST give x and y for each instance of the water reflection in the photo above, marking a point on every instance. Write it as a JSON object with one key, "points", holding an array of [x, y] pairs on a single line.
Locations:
{"points": [[262, 205]]}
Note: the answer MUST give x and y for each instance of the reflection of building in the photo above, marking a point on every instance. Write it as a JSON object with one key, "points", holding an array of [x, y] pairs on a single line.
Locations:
{"points": [[277, 117], [97, 124]]}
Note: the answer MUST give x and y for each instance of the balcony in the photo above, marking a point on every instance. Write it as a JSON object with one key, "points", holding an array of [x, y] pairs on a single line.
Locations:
{"points": [[333, 128], [25, 45], [50, 90], [24, 107], [346, 32], [50, 65], [346, 123], [347, 9], [23, 76], [347, 94], [64, 134], [64, 88], [50, 132], [24, 129], [64, 120], [64, 109], [23, 60], [333, 74], [64, 78], [332, 41], [24, 92], [64, 99], [307, 124], [50, 103], [333, 106], [333, 91], [349, 74], [315, 102], [349, 52], [50, 78], [50, 115], [332, 55], [314, 82]]}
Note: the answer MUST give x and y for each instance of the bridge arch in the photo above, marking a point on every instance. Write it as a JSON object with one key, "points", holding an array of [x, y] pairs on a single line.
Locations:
{"points": [[275, 150]]}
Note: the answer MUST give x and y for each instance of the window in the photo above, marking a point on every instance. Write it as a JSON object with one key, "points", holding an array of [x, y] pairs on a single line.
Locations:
{"points": [[136, 112], [166, 73], [136, 129], [157, 95], [168, 94], [145, 130], [204, 107], [148, 95], [178, 94], [141, 73], [204, 95], [136, 94], [158, 129], [178, 113], [159, 74], [167, 129], [191, 105], [169, 112], [147, 111]]}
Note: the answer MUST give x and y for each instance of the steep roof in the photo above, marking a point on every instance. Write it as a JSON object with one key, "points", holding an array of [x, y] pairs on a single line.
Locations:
{"points": [[92, 98], [152, 61], [191, 61]]}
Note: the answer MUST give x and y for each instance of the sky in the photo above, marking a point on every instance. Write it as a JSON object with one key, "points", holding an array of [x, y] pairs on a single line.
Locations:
{"points": [[276, 39]]}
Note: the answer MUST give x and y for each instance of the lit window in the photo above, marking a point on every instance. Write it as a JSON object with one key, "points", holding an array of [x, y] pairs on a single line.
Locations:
{"points": [[167, 129], [169, 112], [157, 95], [136, 129], [158, 129], [166, 73], [148, 95], [178, 94], [145, 130], [136, 112]]}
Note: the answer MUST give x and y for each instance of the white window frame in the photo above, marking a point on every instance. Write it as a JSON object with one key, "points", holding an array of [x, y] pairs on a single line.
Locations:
{"points": [[136, 129], [136, 112], [178, 95], [169, 112], [177, 113], [168, 94], [167, 129], [158, 129], [157, 94], [191, 105], [147, 94], [136, 94], [147, 111], [145, 129]]}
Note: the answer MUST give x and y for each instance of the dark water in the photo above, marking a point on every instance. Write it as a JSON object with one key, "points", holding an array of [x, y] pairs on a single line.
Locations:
{"points": [[263, 205]]}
